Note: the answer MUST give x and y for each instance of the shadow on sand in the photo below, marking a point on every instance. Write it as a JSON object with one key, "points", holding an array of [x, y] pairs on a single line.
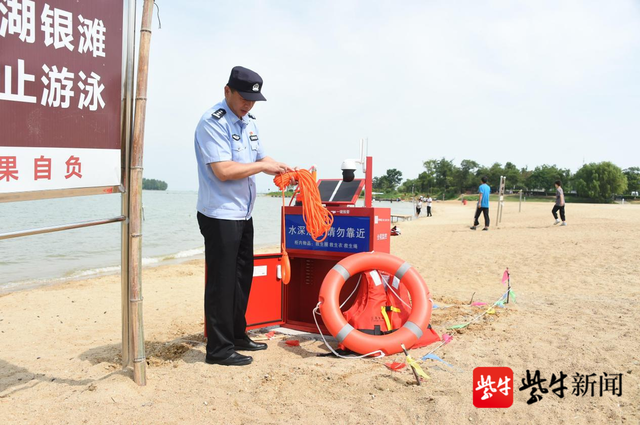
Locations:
{"points": [[14, 378]]}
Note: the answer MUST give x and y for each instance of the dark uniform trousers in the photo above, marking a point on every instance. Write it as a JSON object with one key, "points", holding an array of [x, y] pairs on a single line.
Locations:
{"points": [[228, 250]]}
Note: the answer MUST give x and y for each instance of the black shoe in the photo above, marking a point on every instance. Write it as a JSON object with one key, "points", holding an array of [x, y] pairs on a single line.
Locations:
{"points": [[235, 359], [486, 229], [472, 227], [246, 344]]}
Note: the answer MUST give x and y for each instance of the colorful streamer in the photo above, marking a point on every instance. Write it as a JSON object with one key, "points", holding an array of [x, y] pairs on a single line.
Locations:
{"points": [[434, 357], [459, 326], [446, 338], [395, 366], [416, 367], [505, 276]]}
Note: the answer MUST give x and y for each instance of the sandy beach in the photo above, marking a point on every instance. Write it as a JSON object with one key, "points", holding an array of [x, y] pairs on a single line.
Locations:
{"points": [[576, 311]]}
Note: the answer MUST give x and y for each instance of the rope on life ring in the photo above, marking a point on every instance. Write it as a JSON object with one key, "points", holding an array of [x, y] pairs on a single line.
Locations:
{"points": [[317, 218], [361, 342]]}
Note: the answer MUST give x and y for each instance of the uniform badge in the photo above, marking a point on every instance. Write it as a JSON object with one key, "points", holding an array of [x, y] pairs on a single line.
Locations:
{"points": [[219, 113], [235, 137], [253, 137], [256, 87]]}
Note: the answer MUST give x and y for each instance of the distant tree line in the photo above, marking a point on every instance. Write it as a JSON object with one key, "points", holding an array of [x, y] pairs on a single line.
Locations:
{"points": [[597, 181], [388, 182], [153, 184]]}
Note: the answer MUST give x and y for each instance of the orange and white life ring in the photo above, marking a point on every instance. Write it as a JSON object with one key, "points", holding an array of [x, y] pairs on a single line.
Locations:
{"points": [[361, 342]]}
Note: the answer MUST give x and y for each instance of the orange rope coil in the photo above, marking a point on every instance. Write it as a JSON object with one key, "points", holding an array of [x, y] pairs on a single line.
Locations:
{"points": [[316, 217]]}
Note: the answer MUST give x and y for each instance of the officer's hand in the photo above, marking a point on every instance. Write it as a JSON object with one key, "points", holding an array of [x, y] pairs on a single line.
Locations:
{"points": [[273, 168], [287, 169]]}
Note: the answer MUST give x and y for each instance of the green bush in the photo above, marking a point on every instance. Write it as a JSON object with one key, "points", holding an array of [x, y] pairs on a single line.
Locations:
{"points": [[600, 181]]}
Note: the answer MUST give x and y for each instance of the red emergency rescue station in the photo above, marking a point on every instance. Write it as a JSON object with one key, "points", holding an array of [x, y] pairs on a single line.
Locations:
{"points": [[355, 229]]}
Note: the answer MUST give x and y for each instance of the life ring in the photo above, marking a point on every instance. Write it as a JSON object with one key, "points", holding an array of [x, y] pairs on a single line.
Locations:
{"points": [[361, 342]]}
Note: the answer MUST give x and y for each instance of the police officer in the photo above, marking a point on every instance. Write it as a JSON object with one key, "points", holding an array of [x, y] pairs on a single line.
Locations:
{"points": [[229, 152]]}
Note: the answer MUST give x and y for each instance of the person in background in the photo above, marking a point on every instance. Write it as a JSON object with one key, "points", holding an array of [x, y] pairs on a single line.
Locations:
{"points": [[429, 201], [483, 204], [229, 154], [559, 205], [419, 206]]}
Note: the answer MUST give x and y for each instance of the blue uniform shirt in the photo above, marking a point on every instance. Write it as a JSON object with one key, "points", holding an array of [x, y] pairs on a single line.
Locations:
{"points": [[486, 191], [222, 136]]}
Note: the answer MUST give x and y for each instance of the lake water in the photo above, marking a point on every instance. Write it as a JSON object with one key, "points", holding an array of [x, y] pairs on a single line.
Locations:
{"points": [[170, 233]]}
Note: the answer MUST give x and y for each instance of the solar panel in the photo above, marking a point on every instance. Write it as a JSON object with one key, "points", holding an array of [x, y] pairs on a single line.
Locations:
{"points": [[336, 191]]}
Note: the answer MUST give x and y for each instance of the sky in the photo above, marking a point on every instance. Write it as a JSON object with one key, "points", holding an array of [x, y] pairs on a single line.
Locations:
{"points": [[531, 82]]}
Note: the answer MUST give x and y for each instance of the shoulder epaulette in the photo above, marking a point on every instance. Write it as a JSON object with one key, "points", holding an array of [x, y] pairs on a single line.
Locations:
{"points": [[219, 113], [251, 116]]}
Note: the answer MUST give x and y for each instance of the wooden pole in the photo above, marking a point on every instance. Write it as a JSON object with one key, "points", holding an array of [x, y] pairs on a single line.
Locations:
{"points": [[498, 208], [135, 212], [127, 105], [520, 205], [503, 183], [500, 201]]}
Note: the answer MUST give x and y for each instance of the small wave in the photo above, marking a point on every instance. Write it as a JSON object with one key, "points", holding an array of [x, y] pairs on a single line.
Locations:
{"points": [[188, 253], [152, 260], [146, 261], [91, 272], [98, 271], [8, 287]]}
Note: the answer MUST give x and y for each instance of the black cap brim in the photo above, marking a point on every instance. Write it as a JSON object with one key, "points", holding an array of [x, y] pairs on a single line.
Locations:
{"points": [[253, 96]]}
